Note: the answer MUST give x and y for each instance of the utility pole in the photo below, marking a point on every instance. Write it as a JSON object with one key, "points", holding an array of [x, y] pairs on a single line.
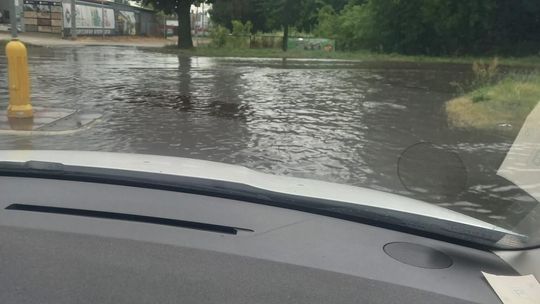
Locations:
{"points": [[102, 21], [13, 19], [203, 26], [73, 20]]}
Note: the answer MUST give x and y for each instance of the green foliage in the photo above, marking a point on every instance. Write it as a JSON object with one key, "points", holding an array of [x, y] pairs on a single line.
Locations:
{"points": [[434, 27], [240, 29], [328, 22], [352, 29], [240, 37], [219, 35], [237, 27], [248, 28], [427, 27], [223, 12], [268, 15], [305, 18], [485, 74], [356, 28]]}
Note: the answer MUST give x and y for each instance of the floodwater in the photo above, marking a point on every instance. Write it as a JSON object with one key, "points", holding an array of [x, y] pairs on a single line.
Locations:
{"points": [[336, 121]]}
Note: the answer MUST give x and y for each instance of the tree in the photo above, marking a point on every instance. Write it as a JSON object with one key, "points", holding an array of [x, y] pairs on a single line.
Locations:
{"points": [[517, 27], [182, 9], [268, 15], [223, 12], [411, 26], [307, 16], [282, 14]]}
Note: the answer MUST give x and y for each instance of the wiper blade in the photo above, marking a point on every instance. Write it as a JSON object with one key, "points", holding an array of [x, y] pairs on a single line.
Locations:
{"points": [[128, 218]]}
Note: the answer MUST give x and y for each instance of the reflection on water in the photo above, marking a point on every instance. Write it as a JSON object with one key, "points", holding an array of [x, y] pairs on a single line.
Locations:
{"points": [[338, 121]]}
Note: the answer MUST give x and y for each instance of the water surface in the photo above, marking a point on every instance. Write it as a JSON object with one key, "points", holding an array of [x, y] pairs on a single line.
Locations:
{"points": [[338, 121]]}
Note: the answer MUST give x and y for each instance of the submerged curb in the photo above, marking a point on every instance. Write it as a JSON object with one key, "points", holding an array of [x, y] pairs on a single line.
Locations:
{"points": [[49, 122]]}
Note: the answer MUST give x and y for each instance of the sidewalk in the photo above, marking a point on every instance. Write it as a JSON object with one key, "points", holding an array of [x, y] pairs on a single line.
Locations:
{"points": [[54, 40]]}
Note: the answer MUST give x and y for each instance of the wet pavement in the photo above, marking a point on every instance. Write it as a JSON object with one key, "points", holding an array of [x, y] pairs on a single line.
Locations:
{"points": [[54, 40], [344, 122]]}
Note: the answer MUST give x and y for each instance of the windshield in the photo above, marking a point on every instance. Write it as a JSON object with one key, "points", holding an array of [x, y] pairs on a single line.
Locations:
{"points": [[433, 100]]}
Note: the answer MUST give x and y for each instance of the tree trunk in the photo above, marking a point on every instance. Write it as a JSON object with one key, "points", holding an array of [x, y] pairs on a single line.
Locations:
{"points": [[183, 13], [285, 37]]}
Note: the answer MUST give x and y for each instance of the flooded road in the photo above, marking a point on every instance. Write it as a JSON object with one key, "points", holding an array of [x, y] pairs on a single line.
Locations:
{"points": [[336, 121]]}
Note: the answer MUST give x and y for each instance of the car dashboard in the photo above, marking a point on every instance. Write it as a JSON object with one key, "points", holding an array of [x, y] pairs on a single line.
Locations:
{"points": [[87, 242]]}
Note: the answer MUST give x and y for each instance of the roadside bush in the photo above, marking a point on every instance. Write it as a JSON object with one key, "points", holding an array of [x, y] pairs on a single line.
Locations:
{"points": [[485, 74], [355, 28], [219, 35], [352, 28], [328, 23], [434, 27], [248, 27], [241, 42], [240, 29]]}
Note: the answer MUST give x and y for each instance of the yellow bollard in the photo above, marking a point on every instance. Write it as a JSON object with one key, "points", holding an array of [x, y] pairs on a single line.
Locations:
{"points": [[19, 81]]}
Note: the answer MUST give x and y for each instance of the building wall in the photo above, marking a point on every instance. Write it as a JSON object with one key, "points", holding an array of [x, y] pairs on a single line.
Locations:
{"points": [[149, 25], [43, 16], [53, 16]]}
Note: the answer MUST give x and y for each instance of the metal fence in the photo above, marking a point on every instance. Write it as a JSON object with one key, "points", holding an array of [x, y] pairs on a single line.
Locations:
{"points": [[276, 42]]}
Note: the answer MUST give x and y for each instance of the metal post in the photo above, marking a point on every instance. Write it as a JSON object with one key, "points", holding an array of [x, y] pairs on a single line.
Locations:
{"points": [[102, 21], [73, 20], [18, 80], [195, 26], [202, 19], [13, 19]]}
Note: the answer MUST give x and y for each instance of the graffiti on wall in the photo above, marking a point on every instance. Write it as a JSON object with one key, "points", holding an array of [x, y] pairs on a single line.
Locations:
{"points": [[90, 17], [312, 44]]}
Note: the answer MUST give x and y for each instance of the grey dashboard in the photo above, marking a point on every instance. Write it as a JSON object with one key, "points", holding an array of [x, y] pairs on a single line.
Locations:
{"points": [[83, 242]]}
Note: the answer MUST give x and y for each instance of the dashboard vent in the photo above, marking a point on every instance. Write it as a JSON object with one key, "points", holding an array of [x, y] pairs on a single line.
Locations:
{"points": [[128, 218]]}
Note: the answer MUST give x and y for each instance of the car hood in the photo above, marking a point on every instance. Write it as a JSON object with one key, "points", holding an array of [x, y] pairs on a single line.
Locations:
{"points": [[236, 174]]}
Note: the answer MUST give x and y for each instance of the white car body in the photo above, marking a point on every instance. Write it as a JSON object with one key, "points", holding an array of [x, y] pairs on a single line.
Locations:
{"points": [[237, 174]]}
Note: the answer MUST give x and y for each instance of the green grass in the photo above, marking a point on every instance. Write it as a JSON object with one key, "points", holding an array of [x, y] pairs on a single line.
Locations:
{"points": [[206, 51], [506, 102]]}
